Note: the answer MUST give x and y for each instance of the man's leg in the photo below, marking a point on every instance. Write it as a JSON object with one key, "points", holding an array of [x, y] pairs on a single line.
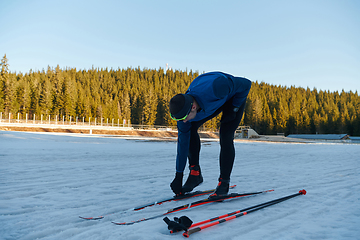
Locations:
{"points": [[195, 145], [227, 150], [195, 178]]}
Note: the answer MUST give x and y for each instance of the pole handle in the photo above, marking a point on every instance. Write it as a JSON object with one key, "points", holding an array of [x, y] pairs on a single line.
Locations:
{"points": [[191, 231]]}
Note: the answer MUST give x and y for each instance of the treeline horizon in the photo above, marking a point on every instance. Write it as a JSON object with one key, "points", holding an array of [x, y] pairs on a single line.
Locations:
{"points": [[142, 96]]}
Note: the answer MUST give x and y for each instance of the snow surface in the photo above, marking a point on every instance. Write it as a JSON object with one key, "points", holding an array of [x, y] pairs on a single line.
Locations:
{"points": [[48, 180]]}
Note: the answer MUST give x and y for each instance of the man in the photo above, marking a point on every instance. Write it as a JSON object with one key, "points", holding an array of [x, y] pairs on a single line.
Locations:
{"points": [[207, 96]]}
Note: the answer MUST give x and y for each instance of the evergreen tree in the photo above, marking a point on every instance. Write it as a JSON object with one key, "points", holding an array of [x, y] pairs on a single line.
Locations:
{"points": [[4, 76], [142, 96], [45, 98], [150, 107]]}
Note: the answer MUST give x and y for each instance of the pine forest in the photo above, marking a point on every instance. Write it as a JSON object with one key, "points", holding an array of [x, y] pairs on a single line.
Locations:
{"points": [[141, 96]]}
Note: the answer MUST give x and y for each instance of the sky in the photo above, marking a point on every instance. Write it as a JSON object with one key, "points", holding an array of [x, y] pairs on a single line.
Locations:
{"points": [[310, 43]]}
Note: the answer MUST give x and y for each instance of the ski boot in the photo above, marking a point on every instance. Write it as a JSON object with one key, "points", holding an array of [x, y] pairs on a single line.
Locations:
{"points": [[194, 179], [222, 188]]}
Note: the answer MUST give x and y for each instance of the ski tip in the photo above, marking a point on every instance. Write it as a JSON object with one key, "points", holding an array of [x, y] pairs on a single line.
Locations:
{"points": [[117, 223], [91, 218], [303, 192], [125, 223], [140, 208]]}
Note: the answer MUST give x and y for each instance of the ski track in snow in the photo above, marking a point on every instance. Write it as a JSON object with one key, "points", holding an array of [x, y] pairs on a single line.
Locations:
{"points": [[48, 180]]}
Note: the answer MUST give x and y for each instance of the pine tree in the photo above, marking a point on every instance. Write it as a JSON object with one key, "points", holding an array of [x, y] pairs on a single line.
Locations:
{"points": [[4, 76], [45, 98], [143, 96], [24, 97], [150, 107]]}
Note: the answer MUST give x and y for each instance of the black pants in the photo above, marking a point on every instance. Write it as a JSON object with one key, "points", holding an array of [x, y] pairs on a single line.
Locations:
{"points": [[227, 150]]}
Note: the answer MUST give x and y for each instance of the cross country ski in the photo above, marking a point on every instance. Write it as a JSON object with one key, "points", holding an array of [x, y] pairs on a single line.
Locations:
{"points": [[196, 204], [159, 202]]}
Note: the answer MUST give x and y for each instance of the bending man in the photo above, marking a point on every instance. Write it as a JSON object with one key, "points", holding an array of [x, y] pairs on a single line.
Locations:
{"points": [[207, 96]]}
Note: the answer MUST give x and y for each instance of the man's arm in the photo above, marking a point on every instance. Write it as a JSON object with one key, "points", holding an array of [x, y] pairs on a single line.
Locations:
{"points": [[241, 87], [183, 144], [181, 156], [237, 87]]}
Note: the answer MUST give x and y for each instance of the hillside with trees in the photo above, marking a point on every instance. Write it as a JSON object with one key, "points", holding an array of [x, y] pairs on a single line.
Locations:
{"points": [[142, 96]]}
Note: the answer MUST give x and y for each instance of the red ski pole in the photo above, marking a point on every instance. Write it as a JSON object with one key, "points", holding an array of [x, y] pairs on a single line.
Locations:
{"points": [[236, 214]]}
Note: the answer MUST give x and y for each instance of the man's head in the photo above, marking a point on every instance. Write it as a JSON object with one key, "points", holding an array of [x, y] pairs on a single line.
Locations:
{"points": [[180, 106]]}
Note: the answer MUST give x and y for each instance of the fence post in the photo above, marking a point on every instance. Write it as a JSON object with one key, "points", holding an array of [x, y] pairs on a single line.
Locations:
{"points": [[90, 132], [55, 119], [34, 119], [63, 119], [49, 120], [0, 117], [9, 117], [41, 119], [26, 118]]}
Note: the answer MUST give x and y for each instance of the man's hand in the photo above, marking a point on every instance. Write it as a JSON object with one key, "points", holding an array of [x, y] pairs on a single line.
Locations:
{"points": [[176, 184]]}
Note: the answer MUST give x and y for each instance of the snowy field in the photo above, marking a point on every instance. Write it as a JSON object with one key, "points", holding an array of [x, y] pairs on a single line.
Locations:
{"points": [[47, 181]]}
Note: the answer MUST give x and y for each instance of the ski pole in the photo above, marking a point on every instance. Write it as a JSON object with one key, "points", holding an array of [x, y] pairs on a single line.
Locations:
{"points": [[236, 214], [225, 215]]}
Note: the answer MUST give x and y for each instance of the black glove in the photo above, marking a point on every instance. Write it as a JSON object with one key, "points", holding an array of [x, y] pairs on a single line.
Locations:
{"points": [[229, 112], [176, 184], [182, 223]]}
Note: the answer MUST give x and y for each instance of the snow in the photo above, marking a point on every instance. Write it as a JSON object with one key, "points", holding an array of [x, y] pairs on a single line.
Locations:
{"points": [[48, 180]]}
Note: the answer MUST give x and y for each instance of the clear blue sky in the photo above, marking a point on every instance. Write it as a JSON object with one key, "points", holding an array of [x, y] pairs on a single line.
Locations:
{"points": [[309, 43]]}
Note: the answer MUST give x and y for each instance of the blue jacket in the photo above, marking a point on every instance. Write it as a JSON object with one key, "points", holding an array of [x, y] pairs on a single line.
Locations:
{"points": [[211, 91]]}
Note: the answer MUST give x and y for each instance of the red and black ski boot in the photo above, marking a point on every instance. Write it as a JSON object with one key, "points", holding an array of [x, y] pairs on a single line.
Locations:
{"points": [[194, 179], [222, 188]]}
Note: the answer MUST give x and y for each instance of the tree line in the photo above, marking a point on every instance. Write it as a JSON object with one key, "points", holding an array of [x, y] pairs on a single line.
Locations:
{"points": [[142, 96]]}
